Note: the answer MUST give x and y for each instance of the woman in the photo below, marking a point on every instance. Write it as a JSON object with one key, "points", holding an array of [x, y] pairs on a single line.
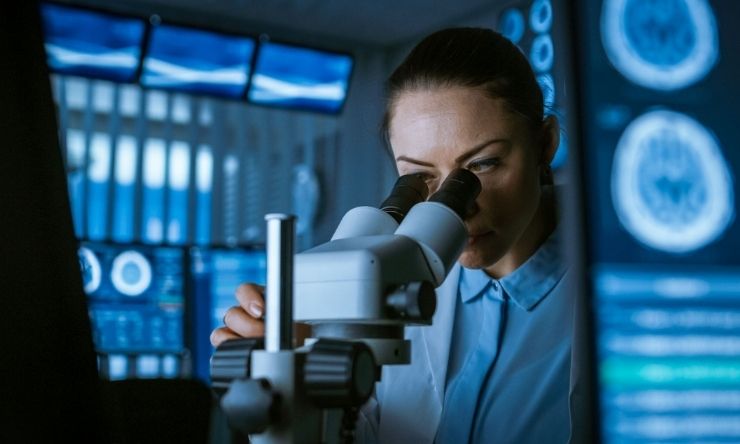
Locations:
{"points": [[495, 364]]}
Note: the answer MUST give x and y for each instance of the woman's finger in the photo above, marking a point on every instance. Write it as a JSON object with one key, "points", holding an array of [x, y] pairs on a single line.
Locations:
{"points": [[251, 299], [222, 334], [243, 324]]}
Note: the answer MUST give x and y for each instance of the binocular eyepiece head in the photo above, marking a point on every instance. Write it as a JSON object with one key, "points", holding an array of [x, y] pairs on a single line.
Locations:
{"points": [[408, 191], [458, 191]]}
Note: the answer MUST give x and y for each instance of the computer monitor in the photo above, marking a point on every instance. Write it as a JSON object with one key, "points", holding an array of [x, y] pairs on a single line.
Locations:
{"points": [[659, 161], [90, 43], [295, 77], [215, 275], [197, 61], [136, 300]]}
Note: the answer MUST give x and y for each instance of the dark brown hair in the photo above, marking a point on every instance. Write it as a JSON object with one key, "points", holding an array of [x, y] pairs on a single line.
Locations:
{"points": [[468, 57]]}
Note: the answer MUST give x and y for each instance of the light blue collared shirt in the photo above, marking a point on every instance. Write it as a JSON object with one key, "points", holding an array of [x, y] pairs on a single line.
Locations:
{"points": [[509, 367]]}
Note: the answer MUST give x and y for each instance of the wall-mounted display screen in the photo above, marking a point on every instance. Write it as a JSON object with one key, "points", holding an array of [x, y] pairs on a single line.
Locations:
{"points": [[107, 46], [197, 61], [301, 78], [216, 273], [92, 44], [661, 204], [136, 296]]}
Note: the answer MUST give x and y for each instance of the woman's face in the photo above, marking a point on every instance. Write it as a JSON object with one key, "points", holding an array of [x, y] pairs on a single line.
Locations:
{"points": [[432, 132]]}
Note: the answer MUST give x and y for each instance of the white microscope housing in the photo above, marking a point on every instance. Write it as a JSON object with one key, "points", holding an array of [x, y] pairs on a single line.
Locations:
{"points": [[376, 273]]}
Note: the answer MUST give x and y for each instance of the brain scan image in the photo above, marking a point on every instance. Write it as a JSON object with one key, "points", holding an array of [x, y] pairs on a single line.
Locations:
{"points": [[547, 85], [660, 44], [131, 273], [542, 53], [91, 271], [511, 25], [671, 187], [540, 16]]}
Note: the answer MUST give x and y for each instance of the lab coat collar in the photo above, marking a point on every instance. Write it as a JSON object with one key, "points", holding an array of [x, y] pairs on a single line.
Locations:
{"points": [[438, 337], [423, 382]]}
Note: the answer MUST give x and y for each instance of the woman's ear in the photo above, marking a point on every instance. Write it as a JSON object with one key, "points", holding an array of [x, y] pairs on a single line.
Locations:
{"points": [[550, 139]]}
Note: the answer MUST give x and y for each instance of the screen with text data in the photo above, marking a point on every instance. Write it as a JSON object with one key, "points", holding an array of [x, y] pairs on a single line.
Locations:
{"points": [[215, 275]]}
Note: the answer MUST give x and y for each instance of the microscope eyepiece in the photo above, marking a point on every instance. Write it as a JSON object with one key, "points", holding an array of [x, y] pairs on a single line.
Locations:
{"points": [[408, 191], [458, 191]]}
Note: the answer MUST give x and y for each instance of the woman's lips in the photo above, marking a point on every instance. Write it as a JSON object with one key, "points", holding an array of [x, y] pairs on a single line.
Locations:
{"points": [[473, 238]]}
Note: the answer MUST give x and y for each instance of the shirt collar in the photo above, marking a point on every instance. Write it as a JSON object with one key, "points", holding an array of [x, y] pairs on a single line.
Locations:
{"points": [[528, 284], [473, 283]]}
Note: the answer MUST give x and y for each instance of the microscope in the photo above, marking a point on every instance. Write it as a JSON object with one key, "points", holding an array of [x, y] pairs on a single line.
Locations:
{"points": [[358, 291]]}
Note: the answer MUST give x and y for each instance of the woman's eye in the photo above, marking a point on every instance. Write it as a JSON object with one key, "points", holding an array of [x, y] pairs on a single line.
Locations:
{"points": [[479, 166], [426, 177]]}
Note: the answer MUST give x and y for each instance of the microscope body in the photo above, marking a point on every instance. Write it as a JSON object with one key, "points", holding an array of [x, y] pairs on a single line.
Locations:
{"points": [[358, 291], [347, 279]]}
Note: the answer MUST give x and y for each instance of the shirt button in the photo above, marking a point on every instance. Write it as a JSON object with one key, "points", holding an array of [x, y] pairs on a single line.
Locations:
{"points": [[494, 285]]}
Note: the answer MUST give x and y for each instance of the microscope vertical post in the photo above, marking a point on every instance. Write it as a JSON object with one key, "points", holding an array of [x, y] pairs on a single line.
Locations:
{"points": [[279, 289], [297, 422]]}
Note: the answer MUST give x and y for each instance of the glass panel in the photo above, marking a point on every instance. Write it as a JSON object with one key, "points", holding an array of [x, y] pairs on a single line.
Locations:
{"points": [[76, 177], [153, 201], [98, 173], [179, 179], [125, 174], [204, 183]]}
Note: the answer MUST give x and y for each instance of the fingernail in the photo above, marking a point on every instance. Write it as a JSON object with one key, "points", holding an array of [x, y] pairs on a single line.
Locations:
{"points": [[255, 310]]}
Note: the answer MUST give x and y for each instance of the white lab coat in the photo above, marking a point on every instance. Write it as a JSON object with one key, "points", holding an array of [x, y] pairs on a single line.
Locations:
{"points": [[407, 406]]}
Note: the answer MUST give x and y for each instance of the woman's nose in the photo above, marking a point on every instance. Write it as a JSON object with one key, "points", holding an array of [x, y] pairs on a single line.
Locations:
{"points": [[473, 209]]}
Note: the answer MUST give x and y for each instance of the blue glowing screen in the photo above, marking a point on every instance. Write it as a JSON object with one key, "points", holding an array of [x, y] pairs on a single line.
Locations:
{"points": [[660, 44], [216, 273], [661, 204], [671, 186], [511, 24], [136, 296], [198, 61], [540, 16], [92, 44], [542, 53], [301, 78]]}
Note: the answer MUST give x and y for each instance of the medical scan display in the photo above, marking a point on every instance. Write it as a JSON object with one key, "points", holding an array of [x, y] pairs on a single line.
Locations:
{"points": [[136, 296], [661, 205]]}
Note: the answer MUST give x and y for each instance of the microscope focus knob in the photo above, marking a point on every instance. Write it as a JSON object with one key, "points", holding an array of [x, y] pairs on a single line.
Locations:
{"points": [[232, 360], [416, 300], [251, 405], [339, 373]]}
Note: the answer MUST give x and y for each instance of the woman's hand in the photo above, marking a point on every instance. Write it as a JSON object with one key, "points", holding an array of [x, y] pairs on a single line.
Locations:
{"points": [[243, 320]]}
